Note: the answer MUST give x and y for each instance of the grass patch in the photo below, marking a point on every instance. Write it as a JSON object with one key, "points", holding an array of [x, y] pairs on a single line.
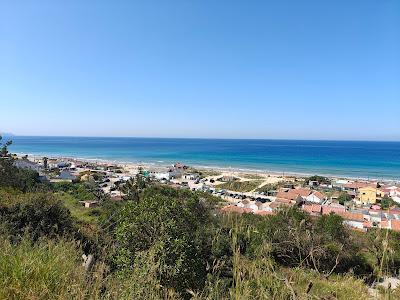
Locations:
{"points": [[46, 270], [207, 173], [78, 211], [267, 187], [240, 186], [253, 176]]}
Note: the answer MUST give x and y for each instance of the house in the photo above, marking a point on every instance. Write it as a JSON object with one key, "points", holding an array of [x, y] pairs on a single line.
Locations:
{"points": [[243, 203], [246, 203], [313, 209], [63, 164], [180, 166], [66, 175], [333, 208], [161, 175], [395, 225], [304, 193], [264, 206], [316, 197], [313, 183], [393, 192], [27, 165], [88, 204], [355, 186], [175, 173], [191, 176], [290, 195], [369, 194], [354, 220], [281, 202]]}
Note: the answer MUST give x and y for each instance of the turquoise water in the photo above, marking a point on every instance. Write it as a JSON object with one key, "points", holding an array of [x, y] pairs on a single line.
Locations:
{"points": [[345, 158]]}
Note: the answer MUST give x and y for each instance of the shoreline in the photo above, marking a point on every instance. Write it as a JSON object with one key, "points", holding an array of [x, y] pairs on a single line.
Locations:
{"points": [[238, 170]]}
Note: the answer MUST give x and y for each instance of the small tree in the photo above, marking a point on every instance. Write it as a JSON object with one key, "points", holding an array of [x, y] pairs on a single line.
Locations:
{"points": [[45, 163], [343, 198], [387, 202], [171, 223], [4, 148], [135, 186]]}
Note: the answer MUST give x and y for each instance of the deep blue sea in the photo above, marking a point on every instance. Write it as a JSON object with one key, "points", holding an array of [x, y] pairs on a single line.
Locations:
{"points": [[379, 160]]}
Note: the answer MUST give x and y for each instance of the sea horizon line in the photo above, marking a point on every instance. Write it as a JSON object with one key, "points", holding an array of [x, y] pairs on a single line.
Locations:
{"points": [[202, 138]]}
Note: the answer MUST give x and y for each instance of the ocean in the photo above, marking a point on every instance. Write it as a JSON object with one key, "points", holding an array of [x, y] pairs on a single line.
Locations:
{"points": [[358, 159]]}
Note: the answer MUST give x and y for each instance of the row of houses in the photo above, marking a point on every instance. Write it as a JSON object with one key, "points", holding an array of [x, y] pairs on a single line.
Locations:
{"points": [[368, 192], [317, 204], [362, 219]]}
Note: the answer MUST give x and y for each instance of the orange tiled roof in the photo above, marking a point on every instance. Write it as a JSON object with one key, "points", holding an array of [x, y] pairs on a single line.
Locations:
{"points": [[395, 225], [287, 195], [357, 185], [313, 208], [351, 216], [302, 192], [277, 204], [326, 210]]}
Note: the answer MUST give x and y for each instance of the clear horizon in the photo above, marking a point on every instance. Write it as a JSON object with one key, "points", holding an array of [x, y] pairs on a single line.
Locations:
{"points": [[201, 69], [10, 135]]}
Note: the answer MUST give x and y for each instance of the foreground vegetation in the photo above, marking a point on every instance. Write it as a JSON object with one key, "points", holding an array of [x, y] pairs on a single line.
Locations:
{"points": [[161, 243]]}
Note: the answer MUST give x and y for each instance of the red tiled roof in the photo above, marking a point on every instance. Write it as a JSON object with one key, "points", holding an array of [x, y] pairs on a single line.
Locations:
{"points": [[313, 208], [326, 210], [278, 203], [395, 225], [302, 192], [284, 200], [351, 216], [357, 185], [287, 195]]}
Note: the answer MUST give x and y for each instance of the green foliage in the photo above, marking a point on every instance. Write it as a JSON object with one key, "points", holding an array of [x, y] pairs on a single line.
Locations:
{"points": [[344, 197], [320, 179], [170, 244], [80, 191], [387, 202], [267, 187], [38, 215], [13, 177], [170, 222], [134, 186], [4, 148]]}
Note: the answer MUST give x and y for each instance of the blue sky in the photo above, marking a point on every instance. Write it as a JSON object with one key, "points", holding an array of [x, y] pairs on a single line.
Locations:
{"points": [[229, 69]]}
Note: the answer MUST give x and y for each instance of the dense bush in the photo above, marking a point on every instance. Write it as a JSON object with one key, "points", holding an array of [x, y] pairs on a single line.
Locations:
{"points": [[13, 177], [172, 224], [38, 214]]}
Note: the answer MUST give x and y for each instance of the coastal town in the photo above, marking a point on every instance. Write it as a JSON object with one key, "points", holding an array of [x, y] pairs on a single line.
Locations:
{"points": [[363, 204]]}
